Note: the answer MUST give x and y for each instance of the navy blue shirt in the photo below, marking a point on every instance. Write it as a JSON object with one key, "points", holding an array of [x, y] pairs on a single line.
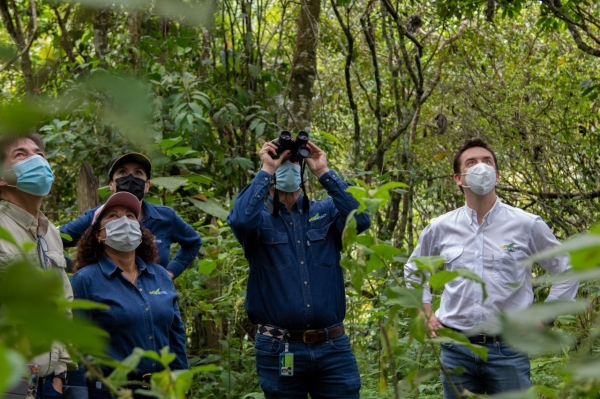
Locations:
{"points": [[144, 315], [296, 281], [166, 226]]}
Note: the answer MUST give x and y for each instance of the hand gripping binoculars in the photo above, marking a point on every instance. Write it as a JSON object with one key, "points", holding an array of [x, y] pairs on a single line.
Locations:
{"points": [[297, 146]]}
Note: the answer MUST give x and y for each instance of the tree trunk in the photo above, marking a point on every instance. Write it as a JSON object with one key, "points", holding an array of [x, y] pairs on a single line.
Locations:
{"points": [[135, 33], [101, 22], [87, 189], [304, 66]]}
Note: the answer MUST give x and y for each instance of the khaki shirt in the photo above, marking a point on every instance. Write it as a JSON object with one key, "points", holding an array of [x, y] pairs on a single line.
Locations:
{"points": [[24, 227]]}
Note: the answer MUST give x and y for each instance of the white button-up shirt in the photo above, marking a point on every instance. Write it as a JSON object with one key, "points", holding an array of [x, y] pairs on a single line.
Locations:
{"points": [[494, 251]]}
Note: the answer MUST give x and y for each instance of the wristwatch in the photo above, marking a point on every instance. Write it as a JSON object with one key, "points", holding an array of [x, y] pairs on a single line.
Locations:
{"points": [[62, 376]]}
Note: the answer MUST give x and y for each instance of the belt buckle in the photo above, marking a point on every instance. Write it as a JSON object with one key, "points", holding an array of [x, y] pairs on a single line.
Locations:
{"points": [[304, 336]]}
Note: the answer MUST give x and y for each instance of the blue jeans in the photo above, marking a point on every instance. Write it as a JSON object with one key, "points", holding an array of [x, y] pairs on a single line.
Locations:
{"points": [[505, 370], [323, 370]]}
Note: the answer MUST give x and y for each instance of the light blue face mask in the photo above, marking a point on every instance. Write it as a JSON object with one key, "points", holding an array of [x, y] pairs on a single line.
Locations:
{"points": [[287, 177], [34, 176]]}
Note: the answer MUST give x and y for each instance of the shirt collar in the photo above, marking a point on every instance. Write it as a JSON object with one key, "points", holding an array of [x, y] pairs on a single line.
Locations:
{"points": [[108, 267], [298, 204], [149, 211], [26, 219], [471, 214]]}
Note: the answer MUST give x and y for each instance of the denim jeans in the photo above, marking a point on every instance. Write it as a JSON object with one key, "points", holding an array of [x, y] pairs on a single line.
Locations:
{"points": [[323, 370], [505, 370]]}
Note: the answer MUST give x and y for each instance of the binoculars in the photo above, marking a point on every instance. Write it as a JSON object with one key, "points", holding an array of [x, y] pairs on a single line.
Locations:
{"points": [[296, 146]]}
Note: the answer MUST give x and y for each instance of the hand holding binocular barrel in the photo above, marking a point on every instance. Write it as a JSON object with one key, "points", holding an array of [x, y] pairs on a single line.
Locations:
{"points": [[270, 164], [317, 162]]}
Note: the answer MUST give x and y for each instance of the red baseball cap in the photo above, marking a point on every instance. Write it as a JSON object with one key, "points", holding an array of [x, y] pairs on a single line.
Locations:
{"points": [[124, 198]]}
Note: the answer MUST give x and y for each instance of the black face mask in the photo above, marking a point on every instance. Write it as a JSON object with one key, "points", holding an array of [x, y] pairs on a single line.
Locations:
{"points": [[133, 185]]}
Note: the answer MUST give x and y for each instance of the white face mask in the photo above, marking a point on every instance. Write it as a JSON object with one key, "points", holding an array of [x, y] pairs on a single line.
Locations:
{"points": [[123, 234], [481, 178]]}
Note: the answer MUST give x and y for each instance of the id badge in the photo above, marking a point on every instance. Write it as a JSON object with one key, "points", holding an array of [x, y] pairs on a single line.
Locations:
{"points": [[32, 380], [286, 364]]}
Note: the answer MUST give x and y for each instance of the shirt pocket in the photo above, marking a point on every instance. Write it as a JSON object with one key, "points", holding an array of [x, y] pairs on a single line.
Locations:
{"points": [[322, 250], [275, 252], [453, 260], [508, 270]]}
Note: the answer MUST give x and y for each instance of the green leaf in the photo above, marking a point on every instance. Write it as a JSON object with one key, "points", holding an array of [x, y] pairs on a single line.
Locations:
{"points": [[418, 327], [211, 207], [438, 280], [6, 236], [171, 183], [429, 263], [383, 192], [584, 250], [386, 251], [350, 232], [206, 266], [408, 298], [12, 366]]}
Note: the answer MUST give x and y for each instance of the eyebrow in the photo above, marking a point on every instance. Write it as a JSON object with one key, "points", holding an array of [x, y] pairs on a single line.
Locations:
{"points": [[23, 149], [474, 158]]}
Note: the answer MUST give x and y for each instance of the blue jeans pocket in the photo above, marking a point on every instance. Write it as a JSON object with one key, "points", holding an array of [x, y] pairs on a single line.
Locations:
{"points": [[264, 345], [341, 343]]}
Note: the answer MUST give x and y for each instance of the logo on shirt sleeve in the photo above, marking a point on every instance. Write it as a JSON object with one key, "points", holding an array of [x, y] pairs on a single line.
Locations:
{"points": [[158, 291]]}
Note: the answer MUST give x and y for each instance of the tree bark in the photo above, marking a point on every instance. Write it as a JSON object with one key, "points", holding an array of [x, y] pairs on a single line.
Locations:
{"points": [[101, 23], [304, 66], [11, 19]]}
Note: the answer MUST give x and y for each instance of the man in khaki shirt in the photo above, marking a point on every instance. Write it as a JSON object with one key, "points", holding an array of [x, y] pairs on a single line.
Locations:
{"points": [[25, 179]]}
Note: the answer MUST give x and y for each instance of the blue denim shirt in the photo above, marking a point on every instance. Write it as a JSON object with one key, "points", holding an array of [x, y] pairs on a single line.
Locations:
{"points": [[166, 226], [144, 315], [296, 281]]}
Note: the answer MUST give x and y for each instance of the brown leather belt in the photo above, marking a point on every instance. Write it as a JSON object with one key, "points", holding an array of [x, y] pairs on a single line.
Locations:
{"points": [[306, 336]]}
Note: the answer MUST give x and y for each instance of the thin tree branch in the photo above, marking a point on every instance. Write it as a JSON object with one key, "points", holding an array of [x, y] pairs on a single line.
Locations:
{"points": [[33, 22]]}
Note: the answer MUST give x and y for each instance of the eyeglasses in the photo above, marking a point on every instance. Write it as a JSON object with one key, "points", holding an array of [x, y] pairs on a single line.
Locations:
{"points": [[42, 249]]}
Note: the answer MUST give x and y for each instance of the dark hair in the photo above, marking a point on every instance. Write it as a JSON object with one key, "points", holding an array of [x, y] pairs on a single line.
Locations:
{"points": [[9, 140], [471, 143], [89, 250]]}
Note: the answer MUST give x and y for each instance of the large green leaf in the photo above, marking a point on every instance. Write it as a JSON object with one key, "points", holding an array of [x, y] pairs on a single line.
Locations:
{"points": [[171, 183], [409, 298], [211, 207], [12, 367], [584, 250]]}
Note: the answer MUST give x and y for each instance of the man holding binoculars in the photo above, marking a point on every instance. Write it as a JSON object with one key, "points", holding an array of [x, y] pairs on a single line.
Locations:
{"points": [[295, 291]]}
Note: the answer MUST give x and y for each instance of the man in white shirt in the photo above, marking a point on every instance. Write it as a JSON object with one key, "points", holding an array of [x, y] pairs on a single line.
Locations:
{"points": [[490, 239]]}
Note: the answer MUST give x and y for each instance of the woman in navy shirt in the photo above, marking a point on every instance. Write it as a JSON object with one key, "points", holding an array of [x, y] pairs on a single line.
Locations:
{"points": [[115, 266]]}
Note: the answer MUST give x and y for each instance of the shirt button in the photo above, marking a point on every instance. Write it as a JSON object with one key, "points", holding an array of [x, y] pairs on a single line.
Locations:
{"points": [[308, 305], [326, 180], [301, 262], [291, 223], [147, 309], [305, 283], [150, 338], [298, 241], [266, 178], [140, 290]]}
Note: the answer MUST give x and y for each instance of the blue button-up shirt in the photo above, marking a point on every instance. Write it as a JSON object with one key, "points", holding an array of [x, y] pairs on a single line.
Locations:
{"points": [[166, 226], [144, 315], [494, 251], [295, 280]]}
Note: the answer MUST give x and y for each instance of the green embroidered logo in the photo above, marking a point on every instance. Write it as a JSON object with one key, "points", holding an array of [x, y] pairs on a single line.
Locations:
{"points": [[158, 292], [510, 247], [317, 217]]}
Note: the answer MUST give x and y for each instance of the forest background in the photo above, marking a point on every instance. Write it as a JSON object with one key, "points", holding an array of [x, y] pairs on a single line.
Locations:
{"points": [[389, 89]]}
